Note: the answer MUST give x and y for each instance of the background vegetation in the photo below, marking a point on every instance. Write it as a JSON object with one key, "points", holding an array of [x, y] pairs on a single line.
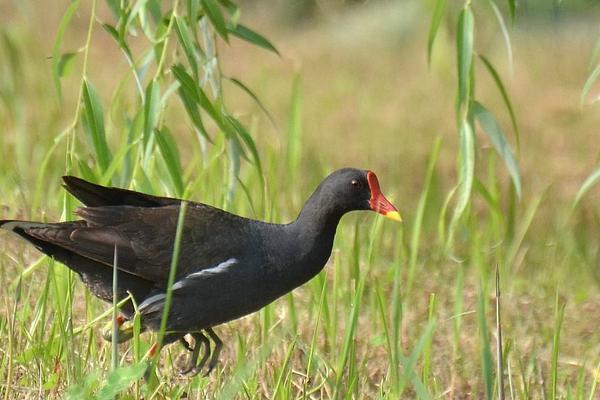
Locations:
{"points": [[400, 311]]}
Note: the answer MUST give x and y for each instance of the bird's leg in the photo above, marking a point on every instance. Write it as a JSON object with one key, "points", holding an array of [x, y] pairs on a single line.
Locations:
{"points": [[186, 344], [200, 341], [215, 354]]}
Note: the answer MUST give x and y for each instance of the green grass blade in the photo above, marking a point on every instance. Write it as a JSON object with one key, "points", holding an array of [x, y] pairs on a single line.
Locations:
{"points": [[436, 19], [499, 344], [420, 213], [487, 368], [294, 131], [170, 281], [559, 313], [587, 86], [115, 312], [494, 132], [589, 182]]}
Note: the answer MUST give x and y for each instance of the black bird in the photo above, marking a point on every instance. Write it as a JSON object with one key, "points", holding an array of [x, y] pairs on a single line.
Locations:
{"points": [[229, 266]]}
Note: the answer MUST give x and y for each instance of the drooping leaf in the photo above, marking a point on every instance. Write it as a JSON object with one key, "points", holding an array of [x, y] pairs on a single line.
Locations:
{"points": [[247, 34], [64, 63], [168, 149], [60, 34], [185, 38], [464, 48], [94, 122], [496, 77], [494, 132], [191, 107], [119, 39], [248, 141], [213, 12], [512, 6], [504, 31], [151, 109], [466, 160], [254, 97], [436, 19], [191, 87]]}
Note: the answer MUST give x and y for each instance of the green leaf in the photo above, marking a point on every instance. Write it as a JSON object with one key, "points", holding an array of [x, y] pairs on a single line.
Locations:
{"points": [[119, 39], [195, 92], [94, 121], [512, 7], [491, 127], [466, 160], [504, 31], [253, 37], [505, 97], [151, 109], [85, 389], [590, 181], [248, 141], [168, 149], [436, 19], [191, 107], [250, 93], [464, 48], [62, 28], [185, 38], [65, 63], [213, 12], [121, 379], [589, 83]]}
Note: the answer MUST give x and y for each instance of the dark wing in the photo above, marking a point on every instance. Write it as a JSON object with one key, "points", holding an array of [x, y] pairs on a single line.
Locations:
{"points": [[96, 276], [145, 237], [93, 195]]}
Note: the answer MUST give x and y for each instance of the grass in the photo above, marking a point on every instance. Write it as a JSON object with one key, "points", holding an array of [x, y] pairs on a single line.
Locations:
{"points": [[392, 315]]}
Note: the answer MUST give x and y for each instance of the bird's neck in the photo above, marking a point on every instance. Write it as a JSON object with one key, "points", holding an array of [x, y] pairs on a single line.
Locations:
{"points": [[313, 233]]}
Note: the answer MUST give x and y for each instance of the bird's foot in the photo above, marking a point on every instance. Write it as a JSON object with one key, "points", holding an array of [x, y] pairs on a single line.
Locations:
{"points": [[124, 331]]}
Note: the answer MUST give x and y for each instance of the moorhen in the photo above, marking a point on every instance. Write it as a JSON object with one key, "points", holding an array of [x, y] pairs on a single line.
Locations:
{"points": [[229, 266]]}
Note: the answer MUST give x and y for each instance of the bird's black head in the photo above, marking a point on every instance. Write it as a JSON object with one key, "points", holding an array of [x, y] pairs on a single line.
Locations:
{"points": [[350, 189]]}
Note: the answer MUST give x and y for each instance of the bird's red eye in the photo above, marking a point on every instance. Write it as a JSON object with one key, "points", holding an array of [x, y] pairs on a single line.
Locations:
{"points": [[355, 183]]}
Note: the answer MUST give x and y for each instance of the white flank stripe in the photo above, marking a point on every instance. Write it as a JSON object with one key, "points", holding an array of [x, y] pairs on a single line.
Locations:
{"points": [[151, 300], [222, 267]]}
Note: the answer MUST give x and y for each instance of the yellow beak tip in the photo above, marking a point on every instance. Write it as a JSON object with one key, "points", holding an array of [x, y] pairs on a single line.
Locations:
{"points": [[394, 215]]}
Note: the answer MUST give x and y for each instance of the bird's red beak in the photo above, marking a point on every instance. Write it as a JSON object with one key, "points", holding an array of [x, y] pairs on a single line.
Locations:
{"points": [[378, 202]]}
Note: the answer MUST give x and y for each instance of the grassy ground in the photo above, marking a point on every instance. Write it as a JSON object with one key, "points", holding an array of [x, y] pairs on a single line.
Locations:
{"points": [[393, 314]]}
